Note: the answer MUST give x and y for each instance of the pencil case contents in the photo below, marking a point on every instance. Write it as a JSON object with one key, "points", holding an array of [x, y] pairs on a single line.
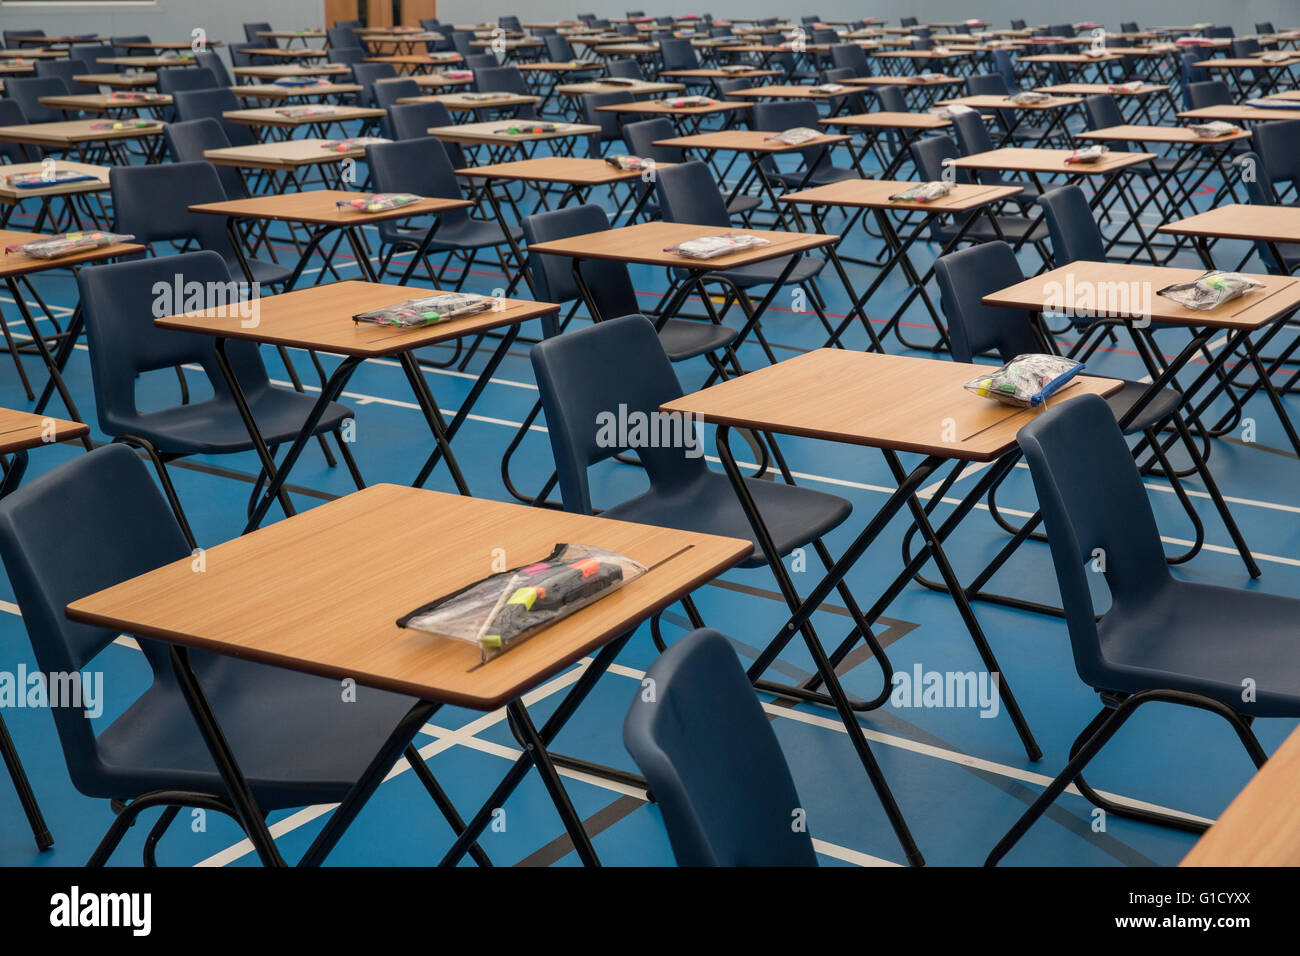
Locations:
{"points": [[626, 163], [794, 136], [1133, 86], [924, 192], [303, 112], [1030, 98], [1089, 154], [507, 608], [39, 180], [525, 129], [710, 247], [429, 310], [685, 101], [52, 247], [124, 124], [1210, 290], [379, 202], [1214, 129], [1027, 380], [129, 96], [354, 142]]}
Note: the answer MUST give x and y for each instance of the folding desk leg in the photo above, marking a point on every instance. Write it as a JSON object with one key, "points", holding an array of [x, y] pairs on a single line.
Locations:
{"points": [[52, 367], [559, 717]]}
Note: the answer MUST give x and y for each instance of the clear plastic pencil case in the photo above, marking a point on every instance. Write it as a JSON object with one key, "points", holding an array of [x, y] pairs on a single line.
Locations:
{"points": [[795, 136], [379, 202], [505, 609], [1210, 291], [1027, 380], [52, 247], [710, 247], [430, 310], [924, 192], [39, 180]]}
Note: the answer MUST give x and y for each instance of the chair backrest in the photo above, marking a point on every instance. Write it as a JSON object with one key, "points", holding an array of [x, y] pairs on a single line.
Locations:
{"points": [[586, 372], [211, 60], [91, 54], [151, 202], [352, 24], [1061, 30], [558, 49], [349, 55], [213, 104], [481, 61], [712, 760], [965, 277], [501, 79], [850, 55], [727, 87], [420, 166], [626, 30], [120, 302], [388, 92], [107, 501], [1244, 47], [1101, 112], [66, 70], [1278, 144], [624, 67], [890, 99], [187, 141], [365, 75], [678, 54], [342, 38], [1190, 73], [987, 84], [414, 120], [1004, 63], [1259, 191], [932, 153], [251, 31], [1220, 33], [610, 128], [908, 21], [609, 281], [11, 114], [824, 35], [1265, 27], [972, 135], [1093, 502], [1074, 233], [462, 42], [1128, 26], [688, 193], [509, 23], [27, 91], [176, 80], [1210, 93], [778, 115], [1017, 24], [239, 55], [641, 137]]}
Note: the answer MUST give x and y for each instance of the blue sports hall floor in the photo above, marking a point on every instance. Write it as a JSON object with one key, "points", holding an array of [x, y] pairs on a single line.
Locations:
{"points": [[960, 779]]}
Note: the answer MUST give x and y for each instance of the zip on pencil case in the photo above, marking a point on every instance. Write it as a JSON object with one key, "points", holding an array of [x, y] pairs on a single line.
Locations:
{"points": [[425, 311]]}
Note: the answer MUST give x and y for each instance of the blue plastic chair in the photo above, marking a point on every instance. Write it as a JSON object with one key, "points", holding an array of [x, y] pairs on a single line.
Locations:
{"points": [[678, 54], [187, 142], [1278, 144], [611, 130], [211, 60], [296, 746], [973, 137], [11, 114], [817, 168], [349, 55], [342, 38], [1210, 93], [27, 91], [850, 56], [213, 104], [1162, 640], [66, 70], [625, 67], [641, 137], [712, 761], [175, 80], [422, 166], [1260, 192], [119, 303], [622, 362], [506, 79], [252, 29], [152, 203], [366, 75]]}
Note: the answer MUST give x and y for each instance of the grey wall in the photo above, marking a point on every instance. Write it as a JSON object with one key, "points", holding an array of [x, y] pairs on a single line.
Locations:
{"points": [[162, 20]]}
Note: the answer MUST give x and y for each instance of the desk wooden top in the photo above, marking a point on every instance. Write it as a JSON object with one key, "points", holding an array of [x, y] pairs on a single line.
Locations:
{"points": [[882, 401], [17, 264], [11, 193], [38, 54], [269, 91], [1096, 89], [1075, 58], [1019, 159], [886, 119], [986, 102], [783, 91], [21, 430], [571, 171], [320, 317], [318, 592], [67, 132], [123, 80], [276, 71], [319, 207], [1240, 113], [875, 193], [746, 141], [903, 81], [324, 113], [1236, 221], [634, 87], [416, 59], [289, 154], [1247, 63], [718, 74], [1286, 96], [1261, 827], [647, 243], [103, 102], [298, 54], [493, 131], [666, 108], [1078, 286], [1159, 134], [147, 62], [559, 66], [467, 101], [312, 34], [164, 45]]}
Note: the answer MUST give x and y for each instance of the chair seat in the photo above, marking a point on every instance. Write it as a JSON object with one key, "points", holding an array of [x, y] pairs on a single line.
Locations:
{"points": [[765, 273], [264, 273], [821, 176], [686, 338], [1013, 229], [1206, 639], [213, 427], [794, 515], [741, 204], [268, 715], [1156, 411], [467, 233]]}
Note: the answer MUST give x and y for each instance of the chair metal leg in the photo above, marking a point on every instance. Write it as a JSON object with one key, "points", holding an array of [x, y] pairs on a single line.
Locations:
{"points": [[164, 479], [25, 795], [156, 834]]}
